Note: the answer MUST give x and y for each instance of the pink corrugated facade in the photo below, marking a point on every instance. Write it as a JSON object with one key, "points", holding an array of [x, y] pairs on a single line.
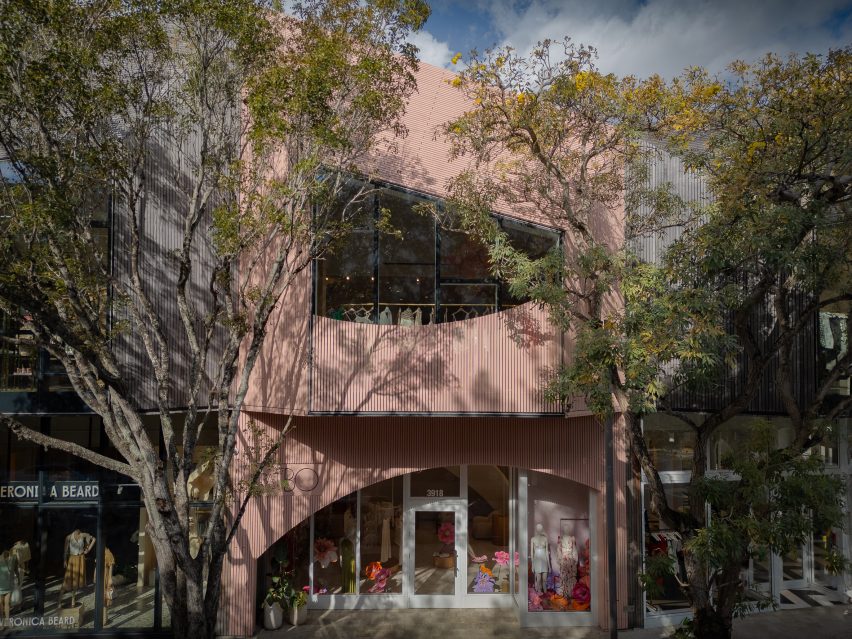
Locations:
{"points": [[340, 455], [376, 401]]}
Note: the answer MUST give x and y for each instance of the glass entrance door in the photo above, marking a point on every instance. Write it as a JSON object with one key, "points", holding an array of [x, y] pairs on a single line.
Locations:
{"points": [[435, 537]]}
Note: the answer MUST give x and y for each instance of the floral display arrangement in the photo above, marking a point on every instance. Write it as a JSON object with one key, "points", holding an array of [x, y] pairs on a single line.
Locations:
{"points": [[447, 537], [325, 552], [379, 575], [580, 598]]}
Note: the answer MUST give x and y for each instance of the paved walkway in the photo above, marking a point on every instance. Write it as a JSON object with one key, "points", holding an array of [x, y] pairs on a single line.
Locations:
{"points": [[810, 623]]}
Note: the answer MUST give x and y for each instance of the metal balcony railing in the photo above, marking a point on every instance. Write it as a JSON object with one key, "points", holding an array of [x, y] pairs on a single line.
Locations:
{"points": [[411, 313]]}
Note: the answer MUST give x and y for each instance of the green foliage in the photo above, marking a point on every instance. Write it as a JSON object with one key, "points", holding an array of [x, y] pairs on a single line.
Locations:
{"points": [[773, 501], [657, 567]]}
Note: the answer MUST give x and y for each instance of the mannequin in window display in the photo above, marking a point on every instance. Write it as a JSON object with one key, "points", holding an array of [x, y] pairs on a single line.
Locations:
{"points": [[566, 547], [540, 557], [200, 482], [109, 564], [77, 545], [9, 578], [21, 549]]}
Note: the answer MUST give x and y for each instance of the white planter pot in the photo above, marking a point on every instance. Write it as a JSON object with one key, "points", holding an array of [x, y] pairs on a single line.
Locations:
{"points": [[297, 616], [273, 616]]}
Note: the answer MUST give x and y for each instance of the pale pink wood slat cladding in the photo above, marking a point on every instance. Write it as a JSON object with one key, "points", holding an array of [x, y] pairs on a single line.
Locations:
{"points": [[492, 364], [349, 453]]}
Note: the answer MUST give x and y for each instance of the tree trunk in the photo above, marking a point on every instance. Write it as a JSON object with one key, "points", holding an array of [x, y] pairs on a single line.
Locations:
{"points": [[710, 623], [712, 606], [191, 617]]}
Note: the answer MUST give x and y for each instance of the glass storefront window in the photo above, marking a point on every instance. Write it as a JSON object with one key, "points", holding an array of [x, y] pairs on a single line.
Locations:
{"points": [[463, 257], [127, 591], [560, 545], [381, 538], [345, 279], [389, 276], [19, 547], [671, 443], [406, 262], [437, 482], [662, 543], [18, 457], [288, 558], [488, 557], [18, 362], [335, 532], [68, 564]]}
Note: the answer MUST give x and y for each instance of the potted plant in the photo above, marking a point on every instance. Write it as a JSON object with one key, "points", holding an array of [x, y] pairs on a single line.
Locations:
{"points": [[835, 565], [273, 613], [297, 608]]}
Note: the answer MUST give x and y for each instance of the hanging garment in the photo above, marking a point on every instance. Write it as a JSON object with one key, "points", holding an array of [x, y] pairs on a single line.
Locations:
{"points": [[8, 567], [826, 338], [386, 541], [386, 317], [109, 562], [567, 565], [406, 317], [22, 550], [347, 565]]}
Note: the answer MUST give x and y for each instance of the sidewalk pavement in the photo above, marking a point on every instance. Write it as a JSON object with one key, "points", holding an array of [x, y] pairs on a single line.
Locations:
{"points": [[833, 622]]}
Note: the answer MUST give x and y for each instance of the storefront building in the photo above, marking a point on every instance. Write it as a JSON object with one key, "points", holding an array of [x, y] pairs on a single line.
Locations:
{"points": [[427, 468]]}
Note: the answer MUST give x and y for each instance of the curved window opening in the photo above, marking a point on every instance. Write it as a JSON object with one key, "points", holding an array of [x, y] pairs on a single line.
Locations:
{"points": [[398, 266]]}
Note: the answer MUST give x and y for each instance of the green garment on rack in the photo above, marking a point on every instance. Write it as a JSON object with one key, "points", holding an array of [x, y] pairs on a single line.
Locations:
{"points": [[347, 564]]}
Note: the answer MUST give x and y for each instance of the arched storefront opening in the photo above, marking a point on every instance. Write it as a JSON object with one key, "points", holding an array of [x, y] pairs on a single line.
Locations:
{"points": [[465, 536]]}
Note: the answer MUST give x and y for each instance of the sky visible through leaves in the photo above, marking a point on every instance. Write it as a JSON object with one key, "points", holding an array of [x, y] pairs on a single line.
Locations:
{"points": [[641, 37]]}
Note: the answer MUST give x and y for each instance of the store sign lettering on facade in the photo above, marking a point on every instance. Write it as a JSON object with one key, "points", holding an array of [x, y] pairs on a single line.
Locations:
{"points": [[57, 491], [304, 480]]}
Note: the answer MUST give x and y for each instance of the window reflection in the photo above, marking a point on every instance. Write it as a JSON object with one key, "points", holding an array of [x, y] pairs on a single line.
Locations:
{"points": [[346, 274], [670, 442], [381, 538], [488, 529], [662, 544]]}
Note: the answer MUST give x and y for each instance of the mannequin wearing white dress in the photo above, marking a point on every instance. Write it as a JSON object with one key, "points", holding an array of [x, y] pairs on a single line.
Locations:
{"points": [[540, 557]]}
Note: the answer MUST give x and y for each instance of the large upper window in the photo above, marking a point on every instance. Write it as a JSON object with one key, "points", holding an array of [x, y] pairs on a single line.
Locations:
{"points": [[408, 270]]}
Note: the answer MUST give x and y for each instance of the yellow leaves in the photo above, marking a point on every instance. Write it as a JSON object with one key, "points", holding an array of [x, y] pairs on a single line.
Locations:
{"points": [[456, 82], [456, 58], [522, 98], [477, 101], [582, 80], [500, 61], [754, 147], [709, 91]]}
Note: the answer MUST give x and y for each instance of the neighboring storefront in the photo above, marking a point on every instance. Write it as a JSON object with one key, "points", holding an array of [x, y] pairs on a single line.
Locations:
{"points": [[777, 577], [77, 533]]}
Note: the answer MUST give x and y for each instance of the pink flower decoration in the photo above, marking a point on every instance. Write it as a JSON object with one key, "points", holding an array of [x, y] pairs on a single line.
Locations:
{"points": [[534, 600], [581, 593], [502, 558], [517, 559], [480, 560], [447, 533]]}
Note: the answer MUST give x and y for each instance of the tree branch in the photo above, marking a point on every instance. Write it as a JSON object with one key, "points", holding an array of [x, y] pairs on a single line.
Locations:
{"points": [[27, 433]]}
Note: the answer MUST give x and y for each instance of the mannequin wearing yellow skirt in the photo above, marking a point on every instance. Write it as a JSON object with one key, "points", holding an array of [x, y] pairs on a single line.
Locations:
{"points": [[77, 545]]}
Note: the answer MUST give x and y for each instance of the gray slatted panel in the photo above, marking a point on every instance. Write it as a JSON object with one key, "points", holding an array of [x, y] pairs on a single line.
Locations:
{"points": [[651, 248], [167, 181]]}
